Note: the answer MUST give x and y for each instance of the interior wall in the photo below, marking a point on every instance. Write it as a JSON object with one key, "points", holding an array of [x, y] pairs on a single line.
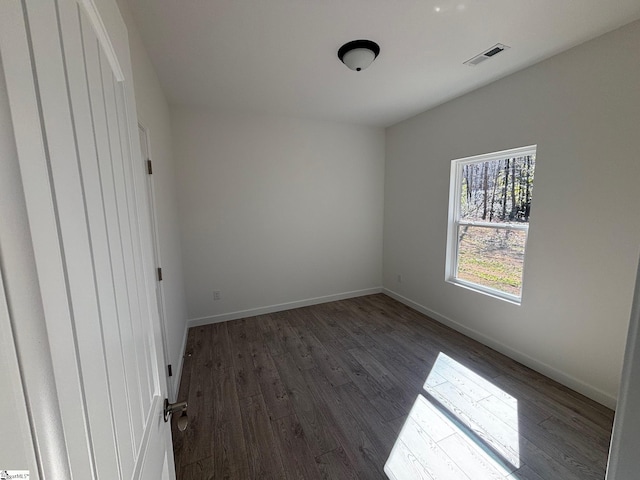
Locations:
{"points": [[276, 210], [154, 115], [582, 109]]}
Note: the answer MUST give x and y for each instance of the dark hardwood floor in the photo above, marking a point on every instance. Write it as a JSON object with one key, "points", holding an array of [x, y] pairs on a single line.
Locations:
{"points": [[369, 388]]}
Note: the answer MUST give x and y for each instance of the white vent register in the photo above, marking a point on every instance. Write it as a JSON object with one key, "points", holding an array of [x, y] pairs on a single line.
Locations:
{"points": [[487, 54]]}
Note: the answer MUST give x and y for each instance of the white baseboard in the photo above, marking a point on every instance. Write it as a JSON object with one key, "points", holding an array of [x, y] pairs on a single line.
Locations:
{"points": [[252, 312], [176, 381], [537, 365]]}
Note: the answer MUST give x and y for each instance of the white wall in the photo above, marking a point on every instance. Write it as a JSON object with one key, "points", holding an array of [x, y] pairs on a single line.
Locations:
{"points": [[276, 210], [582, 109], [153, 114]]}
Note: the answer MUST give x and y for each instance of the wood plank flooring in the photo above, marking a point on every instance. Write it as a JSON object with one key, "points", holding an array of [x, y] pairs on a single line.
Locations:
{"points": [[368, 388]]}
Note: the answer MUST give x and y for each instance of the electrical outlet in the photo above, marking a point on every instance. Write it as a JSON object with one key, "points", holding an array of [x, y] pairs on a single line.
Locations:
{"points": [[216, 294], [399, 278]]}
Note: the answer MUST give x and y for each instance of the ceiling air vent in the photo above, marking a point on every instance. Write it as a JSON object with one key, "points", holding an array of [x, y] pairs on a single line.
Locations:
{"points": [[487, 54]]}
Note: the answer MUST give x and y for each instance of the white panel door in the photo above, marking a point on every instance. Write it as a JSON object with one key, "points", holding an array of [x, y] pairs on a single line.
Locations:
{"points": [[76, 134]]}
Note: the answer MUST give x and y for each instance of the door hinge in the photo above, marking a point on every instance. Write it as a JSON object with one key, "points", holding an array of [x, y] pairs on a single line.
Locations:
{"points": [[149, 167], [170, 371], [159, 274]]}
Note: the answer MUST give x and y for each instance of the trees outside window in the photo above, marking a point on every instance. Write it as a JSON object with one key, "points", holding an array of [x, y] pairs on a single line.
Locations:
{"points": [[489, 209]]}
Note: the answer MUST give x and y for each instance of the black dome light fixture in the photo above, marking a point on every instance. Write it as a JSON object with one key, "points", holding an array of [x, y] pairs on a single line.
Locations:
{"points": [[358, 54]]}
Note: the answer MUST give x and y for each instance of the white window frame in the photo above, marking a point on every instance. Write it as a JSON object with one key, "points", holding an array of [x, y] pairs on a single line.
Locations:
{"points": [[455, 191]]}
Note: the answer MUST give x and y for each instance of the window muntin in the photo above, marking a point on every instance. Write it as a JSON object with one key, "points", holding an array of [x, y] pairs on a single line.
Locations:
{"points": [[489, 210]]}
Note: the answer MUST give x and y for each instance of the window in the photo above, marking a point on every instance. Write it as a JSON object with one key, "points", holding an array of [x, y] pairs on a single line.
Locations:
{"points": [[489, 209]]}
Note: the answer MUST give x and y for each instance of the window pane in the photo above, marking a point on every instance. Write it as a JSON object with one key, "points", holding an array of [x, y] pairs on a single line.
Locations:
{"points": [[491, 257], [497, 190]]}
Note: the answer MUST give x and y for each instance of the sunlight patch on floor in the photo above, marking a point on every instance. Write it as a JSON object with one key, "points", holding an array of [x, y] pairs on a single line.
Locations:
{"points": [[465, 428]]}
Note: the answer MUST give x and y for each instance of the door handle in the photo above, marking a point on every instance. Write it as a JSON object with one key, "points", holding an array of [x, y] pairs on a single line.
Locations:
{"points": [[171, 408]]}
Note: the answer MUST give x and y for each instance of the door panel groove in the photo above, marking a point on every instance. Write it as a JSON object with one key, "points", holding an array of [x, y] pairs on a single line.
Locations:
{"points": [[89, 221]]}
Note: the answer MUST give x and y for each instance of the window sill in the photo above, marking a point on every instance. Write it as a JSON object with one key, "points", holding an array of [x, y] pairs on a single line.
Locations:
{"points": [[491, 292]]}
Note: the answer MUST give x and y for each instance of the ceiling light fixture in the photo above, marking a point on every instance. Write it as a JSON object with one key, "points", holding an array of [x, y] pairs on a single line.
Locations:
{"points": [[358, 54]]}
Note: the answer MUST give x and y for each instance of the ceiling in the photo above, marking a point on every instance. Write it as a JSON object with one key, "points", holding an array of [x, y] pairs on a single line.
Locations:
{"points": [[280, 56]]}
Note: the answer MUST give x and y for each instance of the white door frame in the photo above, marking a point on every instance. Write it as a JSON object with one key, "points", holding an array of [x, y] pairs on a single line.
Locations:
{"points": [[623, 455], [145, 144]]}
